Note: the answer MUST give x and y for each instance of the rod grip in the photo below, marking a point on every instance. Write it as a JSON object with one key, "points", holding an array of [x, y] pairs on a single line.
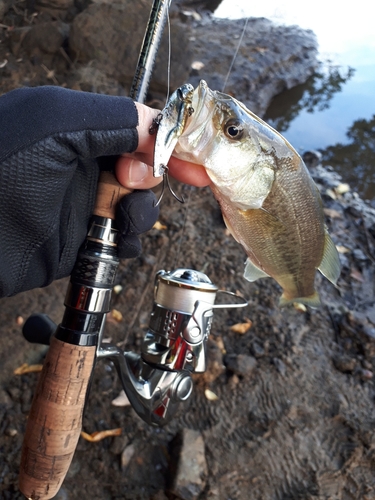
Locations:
{"points": [[108, 194], [55, 419]]}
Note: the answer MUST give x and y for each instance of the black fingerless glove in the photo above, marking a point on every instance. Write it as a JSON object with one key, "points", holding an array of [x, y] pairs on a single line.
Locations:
{"points": [[53, 143]]}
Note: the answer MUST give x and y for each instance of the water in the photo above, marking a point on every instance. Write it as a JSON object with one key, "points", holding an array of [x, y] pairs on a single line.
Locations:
{"points": [[345, 36]]}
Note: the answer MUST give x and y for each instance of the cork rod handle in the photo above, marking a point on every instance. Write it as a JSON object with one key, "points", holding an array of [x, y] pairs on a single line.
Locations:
{"points": [[109, 193], [55, 420]]}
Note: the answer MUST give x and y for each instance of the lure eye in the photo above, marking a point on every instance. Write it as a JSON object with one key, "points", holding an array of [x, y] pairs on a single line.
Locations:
{"points": [[233, 129]]}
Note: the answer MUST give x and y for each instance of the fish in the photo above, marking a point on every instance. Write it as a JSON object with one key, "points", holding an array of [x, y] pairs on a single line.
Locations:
{"points": [[268, 199]]}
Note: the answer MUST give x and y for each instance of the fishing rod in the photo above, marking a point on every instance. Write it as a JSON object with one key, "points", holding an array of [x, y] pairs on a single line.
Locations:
{"points": [[158, 379]]}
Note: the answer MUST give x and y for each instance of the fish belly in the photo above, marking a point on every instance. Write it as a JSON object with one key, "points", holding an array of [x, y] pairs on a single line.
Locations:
{"points": [[285, 238]]}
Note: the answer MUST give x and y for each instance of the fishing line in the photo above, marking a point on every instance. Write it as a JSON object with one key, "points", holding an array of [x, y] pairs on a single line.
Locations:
{"points": [[236, 53], [169, 56], [179, 243]]}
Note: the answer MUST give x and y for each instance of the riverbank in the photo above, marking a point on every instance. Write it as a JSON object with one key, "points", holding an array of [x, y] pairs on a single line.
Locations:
{"points": [[286, 407]]}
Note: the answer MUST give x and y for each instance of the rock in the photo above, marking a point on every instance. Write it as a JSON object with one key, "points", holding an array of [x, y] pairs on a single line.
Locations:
{"points": [[46, 38], [344, 363], [190, 471], [240, 364], [4, 7], [280, 366], [56, 8], [111, 35], [270, 59], [91, 79]]}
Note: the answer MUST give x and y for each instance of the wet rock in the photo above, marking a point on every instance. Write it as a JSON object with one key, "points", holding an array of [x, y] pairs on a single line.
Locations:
{"points": [[358, 254], [257, 350], [190, 471], [91, 79], [280, 366], [111, 35], [4, 7], [56, 8], [271, 58], [45, 38], [344, 363], [240, 364]]}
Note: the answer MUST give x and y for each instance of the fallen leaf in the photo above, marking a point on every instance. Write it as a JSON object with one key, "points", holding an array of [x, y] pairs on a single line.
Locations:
{"points": [[197, 65], [334, 214], [299, 307], [159, 226], [242, 328], [220, 343], [342, 249], [19, 320], [117, 289], [331, 194], [211, 396], [98, 436], [121, 400], [127, 455], [25, 368], [116, 315], [356, 275], [342, 188]]}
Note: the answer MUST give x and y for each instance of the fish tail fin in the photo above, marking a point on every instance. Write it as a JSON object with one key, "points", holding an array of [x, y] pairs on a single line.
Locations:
{"points": [[312, 301]]}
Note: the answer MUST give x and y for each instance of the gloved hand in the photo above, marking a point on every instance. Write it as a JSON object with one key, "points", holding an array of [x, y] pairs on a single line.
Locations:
{"points": [[53, 143]]}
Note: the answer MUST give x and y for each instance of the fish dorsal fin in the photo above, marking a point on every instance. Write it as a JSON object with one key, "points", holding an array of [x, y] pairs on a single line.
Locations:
{"points": [[330, 265], [252, 272]]}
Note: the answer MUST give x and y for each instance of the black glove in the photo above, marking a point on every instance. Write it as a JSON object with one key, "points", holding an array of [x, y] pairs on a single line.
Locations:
{"points": [[53, 143]]}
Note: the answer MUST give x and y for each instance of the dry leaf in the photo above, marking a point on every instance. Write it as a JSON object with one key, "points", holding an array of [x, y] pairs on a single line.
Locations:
{"points": [[334, 214], [299, 307], [116, 315], [356, 275], [342, 249], [197, 65], [220, 343], [19, 320], [98, 436], [342, 188], [121, 400], [25, 368], [331, 193], [159, 226], [242, 328], [211, 396], [127, 455]]}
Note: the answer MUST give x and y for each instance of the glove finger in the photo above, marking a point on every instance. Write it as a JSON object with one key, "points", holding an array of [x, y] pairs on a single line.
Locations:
{"points": [[129, 247], [90, 125], [137, 213]]}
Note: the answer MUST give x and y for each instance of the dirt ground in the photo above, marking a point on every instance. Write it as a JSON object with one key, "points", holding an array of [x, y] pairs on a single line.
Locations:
{"points": [[294, 414]]}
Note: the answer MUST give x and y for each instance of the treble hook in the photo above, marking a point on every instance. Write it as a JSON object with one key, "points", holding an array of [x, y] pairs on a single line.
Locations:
{"points": [[167, 182]]}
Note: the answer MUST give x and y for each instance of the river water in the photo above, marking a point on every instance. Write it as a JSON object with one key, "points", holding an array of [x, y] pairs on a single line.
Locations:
{"points": [[346, 40]]}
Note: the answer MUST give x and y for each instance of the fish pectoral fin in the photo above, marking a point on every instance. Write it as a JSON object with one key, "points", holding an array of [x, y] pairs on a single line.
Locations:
{"points": [[252, 272], [330, 265]]}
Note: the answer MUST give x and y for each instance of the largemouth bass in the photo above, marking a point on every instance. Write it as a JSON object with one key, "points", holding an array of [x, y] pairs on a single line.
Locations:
{"points": [[269, 202]]}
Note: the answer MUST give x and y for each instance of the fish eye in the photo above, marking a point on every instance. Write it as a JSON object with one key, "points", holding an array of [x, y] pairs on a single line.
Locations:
{"points": [[233, 129]]}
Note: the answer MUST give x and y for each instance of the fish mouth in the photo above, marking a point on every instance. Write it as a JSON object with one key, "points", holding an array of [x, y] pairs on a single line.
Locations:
{"points": [[203, 104]]}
